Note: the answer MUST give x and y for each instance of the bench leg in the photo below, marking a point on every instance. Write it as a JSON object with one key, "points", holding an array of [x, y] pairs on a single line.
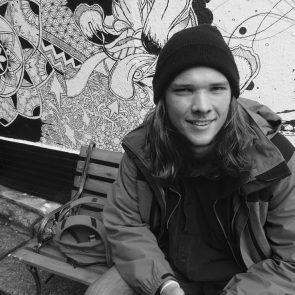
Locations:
{"points": [[33, 270]]}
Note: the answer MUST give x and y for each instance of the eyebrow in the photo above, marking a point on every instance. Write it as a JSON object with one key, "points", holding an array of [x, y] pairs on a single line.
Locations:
{"points": [[221, 83], [225, 83], [180, 84]]}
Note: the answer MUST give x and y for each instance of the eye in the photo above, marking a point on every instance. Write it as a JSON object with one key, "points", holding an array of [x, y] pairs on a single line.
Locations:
{"points": [[182, 90], [218, 88]]}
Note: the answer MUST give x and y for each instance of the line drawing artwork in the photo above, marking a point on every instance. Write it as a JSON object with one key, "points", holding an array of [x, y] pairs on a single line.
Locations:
{"points": [[267, 33], [20, 62], [89, 68], [74, 71]]}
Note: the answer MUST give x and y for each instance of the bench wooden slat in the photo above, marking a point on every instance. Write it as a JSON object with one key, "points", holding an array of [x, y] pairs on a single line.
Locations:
{"points": [[103, 155], [89, 194], [94, 185], [58, 267], [100, 170]]}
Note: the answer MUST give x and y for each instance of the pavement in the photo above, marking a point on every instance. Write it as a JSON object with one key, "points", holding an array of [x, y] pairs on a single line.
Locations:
{"points": [[19, 213]]}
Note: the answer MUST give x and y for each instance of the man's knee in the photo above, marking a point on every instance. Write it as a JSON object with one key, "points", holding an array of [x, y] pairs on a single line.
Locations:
{"points": [[110, 283]]}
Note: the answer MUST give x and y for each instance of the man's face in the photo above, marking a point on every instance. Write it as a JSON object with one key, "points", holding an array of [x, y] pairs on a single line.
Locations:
{"points": [[197, 102]]}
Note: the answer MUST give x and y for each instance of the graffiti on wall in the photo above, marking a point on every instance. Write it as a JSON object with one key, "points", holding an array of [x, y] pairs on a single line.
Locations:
{"points": [[75, 71]]}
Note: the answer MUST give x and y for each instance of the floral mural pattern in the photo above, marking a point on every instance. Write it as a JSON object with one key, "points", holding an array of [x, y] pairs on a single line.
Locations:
{"points": [[83, 71]]}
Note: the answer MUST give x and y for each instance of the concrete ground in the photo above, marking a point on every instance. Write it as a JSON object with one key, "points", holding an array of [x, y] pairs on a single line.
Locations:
{"points": [[17, 219]]}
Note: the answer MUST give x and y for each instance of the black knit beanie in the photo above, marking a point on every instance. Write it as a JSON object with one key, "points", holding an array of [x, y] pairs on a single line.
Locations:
{"points": [[202, 45]]}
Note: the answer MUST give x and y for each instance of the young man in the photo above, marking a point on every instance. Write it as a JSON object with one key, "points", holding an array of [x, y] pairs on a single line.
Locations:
{"points": [[204, 202]]}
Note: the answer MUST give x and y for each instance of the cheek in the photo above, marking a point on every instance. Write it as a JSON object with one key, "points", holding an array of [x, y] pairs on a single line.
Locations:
{"points": [[225, 113], [177, 105], [175, 109], [175, 115]]}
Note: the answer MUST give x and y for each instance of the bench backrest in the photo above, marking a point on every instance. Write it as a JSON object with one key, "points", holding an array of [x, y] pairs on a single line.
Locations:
{"points": [[96, 171], [101, 171]]}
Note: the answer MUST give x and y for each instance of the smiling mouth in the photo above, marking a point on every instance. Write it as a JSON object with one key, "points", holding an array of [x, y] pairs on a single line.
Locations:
{"points": [[200, 123]]}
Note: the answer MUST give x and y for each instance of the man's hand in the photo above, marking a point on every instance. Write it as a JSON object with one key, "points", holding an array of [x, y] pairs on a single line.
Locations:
{"points": [[172, 288]]}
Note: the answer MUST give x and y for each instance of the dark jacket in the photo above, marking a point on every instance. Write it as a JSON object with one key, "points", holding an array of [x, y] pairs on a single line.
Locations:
{"points": [[263, 221]]}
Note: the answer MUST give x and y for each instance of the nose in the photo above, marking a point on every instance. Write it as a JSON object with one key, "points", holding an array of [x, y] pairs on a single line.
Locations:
{"points": [[200, 102]]}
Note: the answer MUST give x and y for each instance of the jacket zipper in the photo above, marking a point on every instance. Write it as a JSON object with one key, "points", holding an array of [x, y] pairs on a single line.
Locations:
{"points": [[174, 209], [224, 233]]}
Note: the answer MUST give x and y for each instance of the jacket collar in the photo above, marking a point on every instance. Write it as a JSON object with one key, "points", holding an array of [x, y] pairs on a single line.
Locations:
{"points": [[268, 164]]}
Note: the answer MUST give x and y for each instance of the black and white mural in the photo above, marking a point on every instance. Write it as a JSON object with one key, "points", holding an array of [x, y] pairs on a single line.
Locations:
{"points": [[74, 71]]}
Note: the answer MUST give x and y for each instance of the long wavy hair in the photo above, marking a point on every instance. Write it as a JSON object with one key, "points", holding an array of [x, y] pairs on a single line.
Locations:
{"points": [[168, 154]]}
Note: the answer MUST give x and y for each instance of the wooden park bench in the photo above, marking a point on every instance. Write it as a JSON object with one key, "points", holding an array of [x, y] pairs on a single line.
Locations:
{"points": [[96, 170]]}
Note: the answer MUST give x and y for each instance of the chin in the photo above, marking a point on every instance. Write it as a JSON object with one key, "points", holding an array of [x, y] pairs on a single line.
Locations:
{"points": [[203, 148], [201, 143]]}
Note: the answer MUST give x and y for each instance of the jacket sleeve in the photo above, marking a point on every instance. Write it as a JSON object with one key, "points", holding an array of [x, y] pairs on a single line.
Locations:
{"points": [[135, 250], [275, 275]]}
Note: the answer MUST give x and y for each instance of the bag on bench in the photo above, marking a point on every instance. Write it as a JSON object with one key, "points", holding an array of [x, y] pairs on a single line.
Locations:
{"points": [[80, 234]]}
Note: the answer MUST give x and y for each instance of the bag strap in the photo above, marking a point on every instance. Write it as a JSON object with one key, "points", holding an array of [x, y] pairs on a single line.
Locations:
{"points": [[88, 200], [81, 201], [76, 263], [90, 148]]}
